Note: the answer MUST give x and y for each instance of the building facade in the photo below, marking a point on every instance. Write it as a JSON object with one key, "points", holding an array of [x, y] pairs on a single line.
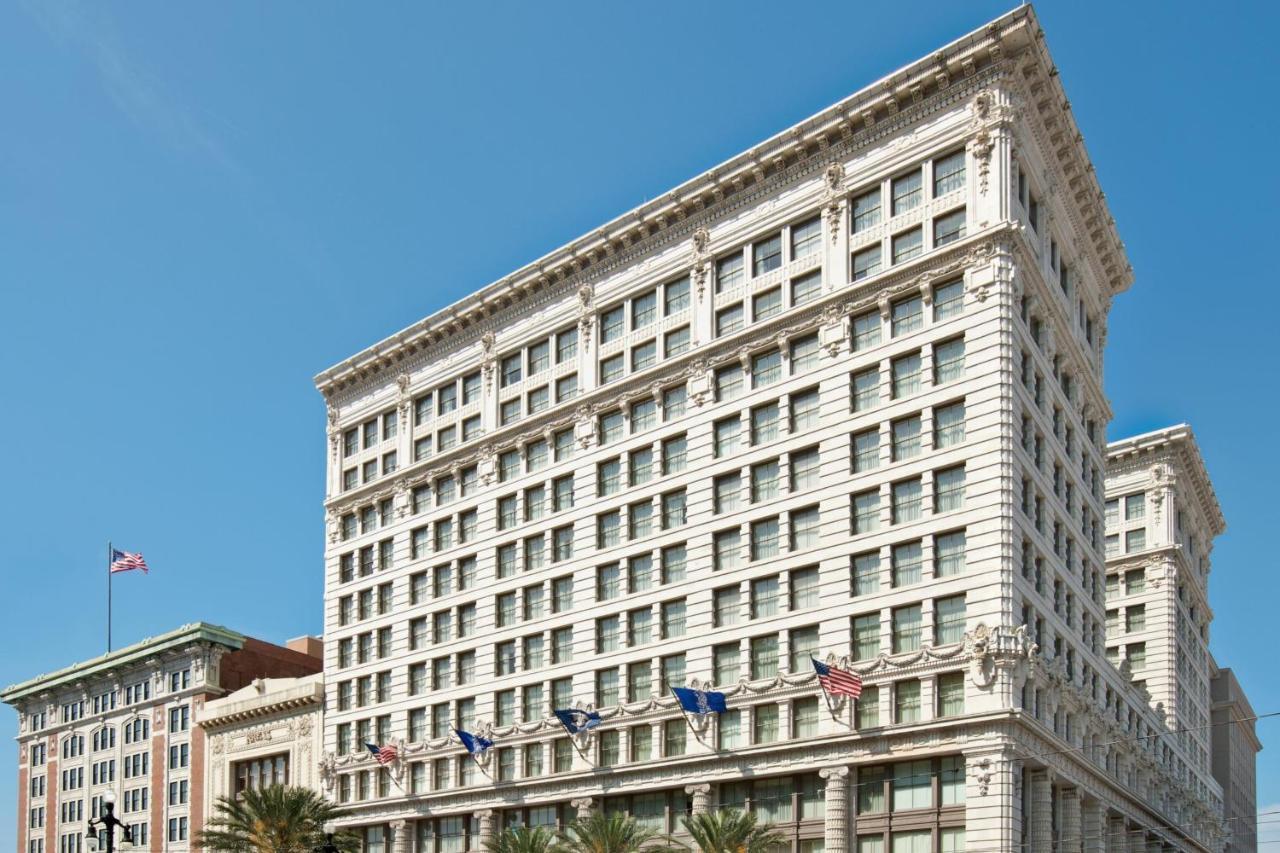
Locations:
{"points": [[1162, 518], [1235, 760], [126, 723], [268, 733], [839, 397]]}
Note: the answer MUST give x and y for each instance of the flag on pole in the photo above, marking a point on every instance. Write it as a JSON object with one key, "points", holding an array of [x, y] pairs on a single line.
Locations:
{"points": [[123, 561], [385, 755], [700, 701], [576, 720], [838, 682], [475, 744]]}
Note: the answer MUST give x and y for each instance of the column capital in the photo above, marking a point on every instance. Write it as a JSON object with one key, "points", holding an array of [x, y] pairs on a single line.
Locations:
{"points": [[835, 774], [583, 806]]}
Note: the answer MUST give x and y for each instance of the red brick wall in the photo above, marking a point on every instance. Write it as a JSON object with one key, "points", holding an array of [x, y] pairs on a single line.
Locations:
{"points": [[264, 660], [24, 792], [197, 772], [51, 782], [159, 832]]}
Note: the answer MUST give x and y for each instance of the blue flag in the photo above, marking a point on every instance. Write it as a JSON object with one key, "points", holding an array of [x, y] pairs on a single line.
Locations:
{"points": [[575, 720], [700, 701], [475, 744]]}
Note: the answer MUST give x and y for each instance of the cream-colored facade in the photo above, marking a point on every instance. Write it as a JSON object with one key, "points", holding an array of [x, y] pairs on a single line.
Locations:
{"points": [[839, 396], [1162, 518], [269, 732]]}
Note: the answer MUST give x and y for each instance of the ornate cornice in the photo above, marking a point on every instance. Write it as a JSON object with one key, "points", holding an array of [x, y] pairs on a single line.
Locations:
{"points": [[1173, 456], [805, 150]]}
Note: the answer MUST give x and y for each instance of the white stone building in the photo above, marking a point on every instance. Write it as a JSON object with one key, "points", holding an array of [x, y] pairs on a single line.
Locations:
{"points": [[838, 396], [267, 733]]}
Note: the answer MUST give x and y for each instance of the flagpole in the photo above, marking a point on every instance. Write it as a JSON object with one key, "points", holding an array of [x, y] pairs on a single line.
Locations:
{"points": [[109, 596]]}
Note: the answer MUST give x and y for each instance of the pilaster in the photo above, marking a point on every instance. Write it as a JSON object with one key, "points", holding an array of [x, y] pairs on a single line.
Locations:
{"points": [[1041, 817], [401, 840], [1071, 823], [1092, 827]]}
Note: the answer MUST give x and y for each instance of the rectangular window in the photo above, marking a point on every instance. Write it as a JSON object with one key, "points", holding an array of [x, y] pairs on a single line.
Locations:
{"points": [[948, 489], [729, 272], [611, 369], [906, 629], [729, 320], [675, 342], [804, 528], [644, 355], [566, 346], [907, 245], [948, 228], [644, 309], [948, 620], [729, 383], [948, 554], [906, 316], [948, 426], [866, 211], [805, 469], [905, 379], [766, 255], [765, 539], [726, 663], [866, 331], [866, 636], [907, 499], [612, 325], [675, 297], [764, 423], [908, 563], [767, 304], [866, 511], [948, 361], [907, 192], [866, 262], [906, 702], [806, 288], [766, 369], [866, 573], [764, 657], [727, 547], [948, 173], [866, 451], [865, 389], [906, 438]]}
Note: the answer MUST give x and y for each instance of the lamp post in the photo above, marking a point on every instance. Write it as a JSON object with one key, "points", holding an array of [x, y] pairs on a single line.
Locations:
{"points": [[328, 846], [108, 822]]}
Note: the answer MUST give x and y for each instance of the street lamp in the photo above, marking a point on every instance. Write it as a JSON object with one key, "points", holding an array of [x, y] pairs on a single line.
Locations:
{"points": [[328, 846], [108, 822]]}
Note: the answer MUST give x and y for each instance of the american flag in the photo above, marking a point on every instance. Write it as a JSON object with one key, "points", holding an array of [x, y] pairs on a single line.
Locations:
{"points": [[838, 682], [385, 755], [123, 561]]}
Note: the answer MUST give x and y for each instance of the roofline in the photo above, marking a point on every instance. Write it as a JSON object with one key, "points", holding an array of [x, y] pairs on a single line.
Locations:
{"points": [[710, 187], [1179, 438], [194, 632]]}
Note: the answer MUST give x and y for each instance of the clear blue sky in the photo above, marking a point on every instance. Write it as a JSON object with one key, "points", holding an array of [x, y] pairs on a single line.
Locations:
{"points": [[202, 205]]}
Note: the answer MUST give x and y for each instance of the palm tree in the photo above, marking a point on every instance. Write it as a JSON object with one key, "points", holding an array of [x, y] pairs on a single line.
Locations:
{"points": [[274, 819], [600, 833], [731, 831], [521, 839]]}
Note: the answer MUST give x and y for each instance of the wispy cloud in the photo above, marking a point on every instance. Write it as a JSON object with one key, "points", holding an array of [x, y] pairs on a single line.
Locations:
{"points": [[141, 96]]}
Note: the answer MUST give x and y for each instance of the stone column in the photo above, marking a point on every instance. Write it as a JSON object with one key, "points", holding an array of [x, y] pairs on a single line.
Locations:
{"points": [[484, 818], [583, 807], [1092, 828], [1137, 840], [1117, 842], [836, 838], [701, 795], [1070, 821], [1041, 817], [400, 840]]}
